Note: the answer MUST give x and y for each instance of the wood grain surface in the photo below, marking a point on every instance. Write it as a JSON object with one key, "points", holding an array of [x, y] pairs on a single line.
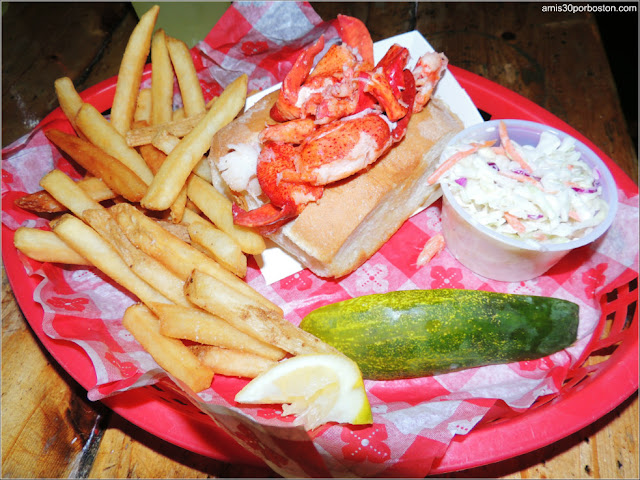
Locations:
{"points": [[557, 60]]}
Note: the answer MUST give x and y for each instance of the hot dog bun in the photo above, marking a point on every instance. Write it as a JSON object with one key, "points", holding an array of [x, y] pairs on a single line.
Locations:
{"points": [[355, 217]]}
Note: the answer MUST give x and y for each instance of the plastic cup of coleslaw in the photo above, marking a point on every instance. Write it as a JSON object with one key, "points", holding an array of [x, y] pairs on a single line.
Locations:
{"points": [[503, 257]]}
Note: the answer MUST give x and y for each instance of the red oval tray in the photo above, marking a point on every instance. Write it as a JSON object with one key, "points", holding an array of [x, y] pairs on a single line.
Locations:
{"points": [[586, 396]]}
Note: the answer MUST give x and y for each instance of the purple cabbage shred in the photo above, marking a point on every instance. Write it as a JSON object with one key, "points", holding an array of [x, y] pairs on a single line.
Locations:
{"points": [[584, 190], [526, 174]]}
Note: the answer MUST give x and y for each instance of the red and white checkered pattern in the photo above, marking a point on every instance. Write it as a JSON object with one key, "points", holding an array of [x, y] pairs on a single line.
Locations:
{"points": [[414, 420]]}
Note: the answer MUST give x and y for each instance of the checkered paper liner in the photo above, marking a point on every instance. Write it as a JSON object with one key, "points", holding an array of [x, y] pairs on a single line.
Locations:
{"points": [[415, 419]]}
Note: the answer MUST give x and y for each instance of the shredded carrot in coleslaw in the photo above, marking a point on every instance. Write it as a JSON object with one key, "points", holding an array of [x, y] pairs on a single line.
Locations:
{"points": [[451, 161], [516, 224], [512, 153]]}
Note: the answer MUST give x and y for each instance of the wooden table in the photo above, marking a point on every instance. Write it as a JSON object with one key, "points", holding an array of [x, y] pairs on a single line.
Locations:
{"points": [[556, 59]]}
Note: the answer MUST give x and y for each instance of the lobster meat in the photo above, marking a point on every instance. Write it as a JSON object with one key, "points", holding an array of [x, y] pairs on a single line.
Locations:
{"points": [[335, 120]]}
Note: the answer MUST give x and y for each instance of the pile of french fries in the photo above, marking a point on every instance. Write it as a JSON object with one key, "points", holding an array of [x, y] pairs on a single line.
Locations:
{"points": [[148, 216]]}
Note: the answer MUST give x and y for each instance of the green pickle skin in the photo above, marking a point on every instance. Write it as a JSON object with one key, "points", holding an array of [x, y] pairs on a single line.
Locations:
{"points": [[417, 333]]}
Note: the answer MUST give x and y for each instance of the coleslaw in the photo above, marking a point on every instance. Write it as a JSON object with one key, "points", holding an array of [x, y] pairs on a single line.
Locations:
{"points": [[539, 194]]}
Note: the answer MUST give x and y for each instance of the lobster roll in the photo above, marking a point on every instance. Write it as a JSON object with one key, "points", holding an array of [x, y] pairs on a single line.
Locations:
{"points": [[337, 233], [333, 163]]}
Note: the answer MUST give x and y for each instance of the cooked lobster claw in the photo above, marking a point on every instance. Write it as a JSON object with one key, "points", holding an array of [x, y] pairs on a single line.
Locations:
{"points": [[355, 34], [285, 107], [287, 198]]}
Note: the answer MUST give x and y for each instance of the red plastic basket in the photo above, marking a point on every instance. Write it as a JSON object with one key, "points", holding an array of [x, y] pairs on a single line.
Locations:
{"points": [[606, 377]]}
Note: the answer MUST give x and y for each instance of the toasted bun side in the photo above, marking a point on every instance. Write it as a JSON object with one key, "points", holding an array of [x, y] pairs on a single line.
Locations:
{"points": [[353, 219]]}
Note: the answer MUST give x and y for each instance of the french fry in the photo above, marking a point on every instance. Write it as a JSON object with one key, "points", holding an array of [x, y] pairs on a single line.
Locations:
{"points": [[192, 206], [175, 170], [178, 114], [217, 208], [249, 316], [55, 221], [144, 135], [165, 142], [176, 210], [232, 363], [152, 156], [40, 202], [161, 80], [190, 89], [101, 133], [211, 102], [169, 353], [46, 246], [220, 246], [120, 178], [203, 169], [67, 192], [191, 216], [69, 100], [142, 112], [146, 267], [96, 189], [178, 229], [130, 73], [88, 243], [178, 256], [191, 323]]}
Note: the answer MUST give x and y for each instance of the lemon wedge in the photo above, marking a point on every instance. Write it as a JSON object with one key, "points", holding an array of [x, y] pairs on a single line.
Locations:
{"points": [[317, 388]]}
